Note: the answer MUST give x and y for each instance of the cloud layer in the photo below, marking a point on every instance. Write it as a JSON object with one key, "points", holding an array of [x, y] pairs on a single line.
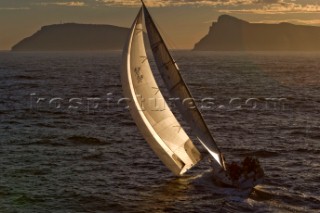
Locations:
{"points": [[223, 6], [293, 21], [157, 3], [277, 7], [292, 4], [63, 3], [228, 6], [14, 8]]}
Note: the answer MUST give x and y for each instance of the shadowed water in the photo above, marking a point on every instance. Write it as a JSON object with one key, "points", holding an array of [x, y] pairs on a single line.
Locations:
{"points": [[67, 145]]}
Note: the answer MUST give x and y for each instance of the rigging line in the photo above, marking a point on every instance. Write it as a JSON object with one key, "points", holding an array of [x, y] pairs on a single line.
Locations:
{"points": [[169, 42]]}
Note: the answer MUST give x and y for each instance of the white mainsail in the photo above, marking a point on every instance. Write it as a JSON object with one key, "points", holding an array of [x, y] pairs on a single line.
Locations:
{"points": [[159, 126], [170, 73]]}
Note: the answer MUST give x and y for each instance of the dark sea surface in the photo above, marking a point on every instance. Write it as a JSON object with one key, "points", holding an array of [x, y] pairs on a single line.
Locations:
{"points": [[67, 145]]}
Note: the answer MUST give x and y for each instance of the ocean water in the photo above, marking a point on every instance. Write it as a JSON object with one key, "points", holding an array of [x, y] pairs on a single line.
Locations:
{"points": [[68, 143]]}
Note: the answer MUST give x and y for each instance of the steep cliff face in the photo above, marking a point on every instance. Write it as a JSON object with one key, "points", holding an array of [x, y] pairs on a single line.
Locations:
{"points": [[73, 37], [232, 34]]}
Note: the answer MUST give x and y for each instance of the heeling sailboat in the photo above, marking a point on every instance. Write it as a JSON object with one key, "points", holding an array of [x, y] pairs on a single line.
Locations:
{"points": [[170, 74], [159, 126]]}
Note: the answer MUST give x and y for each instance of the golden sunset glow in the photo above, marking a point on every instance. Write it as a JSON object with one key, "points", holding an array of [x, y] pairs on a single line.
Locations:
{"points": [[186, 21]]}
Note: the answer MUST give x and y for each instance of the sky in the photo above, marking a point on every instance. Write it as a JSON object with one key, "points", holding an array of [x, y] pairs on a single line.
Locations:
{"points": [[183, 22]]}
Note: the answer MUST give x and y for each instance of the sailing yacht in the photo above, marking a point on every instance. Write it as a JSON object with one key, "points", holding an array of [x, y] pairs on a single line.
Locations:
{"points": [[158, 125]]}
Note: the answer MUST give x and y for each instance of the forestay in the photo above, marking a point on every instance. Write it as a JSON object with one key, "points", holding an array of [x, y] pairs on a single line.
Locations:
{"points": [[149, 109], [171, 75]]}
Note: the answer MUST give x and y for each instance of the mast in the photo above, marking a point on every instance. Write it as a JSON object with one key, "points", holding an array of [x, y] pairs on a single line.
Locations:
{"points": [[174, 82]]}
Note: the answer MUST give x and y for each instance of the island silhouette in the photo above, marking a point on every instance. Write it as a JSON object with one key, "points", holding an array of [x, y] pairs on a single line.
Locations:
{"points": [[74, 37], [227, 34], [233, 34]]}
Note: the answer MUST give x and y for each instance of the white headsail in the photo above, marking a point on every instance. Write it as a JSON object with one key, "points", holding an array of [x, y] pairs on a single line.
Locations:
{"points": [[149, 109], [177, 88]]}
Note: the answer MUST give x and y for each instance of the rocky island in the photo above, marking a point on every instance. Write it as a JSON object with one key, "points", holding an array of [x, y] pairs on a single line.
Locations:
{"points": [[232, 34], [74, 37]]}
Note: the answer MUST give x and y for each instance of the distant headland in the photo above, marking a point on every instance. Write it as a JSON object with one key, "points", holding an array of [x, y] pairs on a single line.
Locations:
{"points": [[74, 37], [227, 34], [232, 34]]}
